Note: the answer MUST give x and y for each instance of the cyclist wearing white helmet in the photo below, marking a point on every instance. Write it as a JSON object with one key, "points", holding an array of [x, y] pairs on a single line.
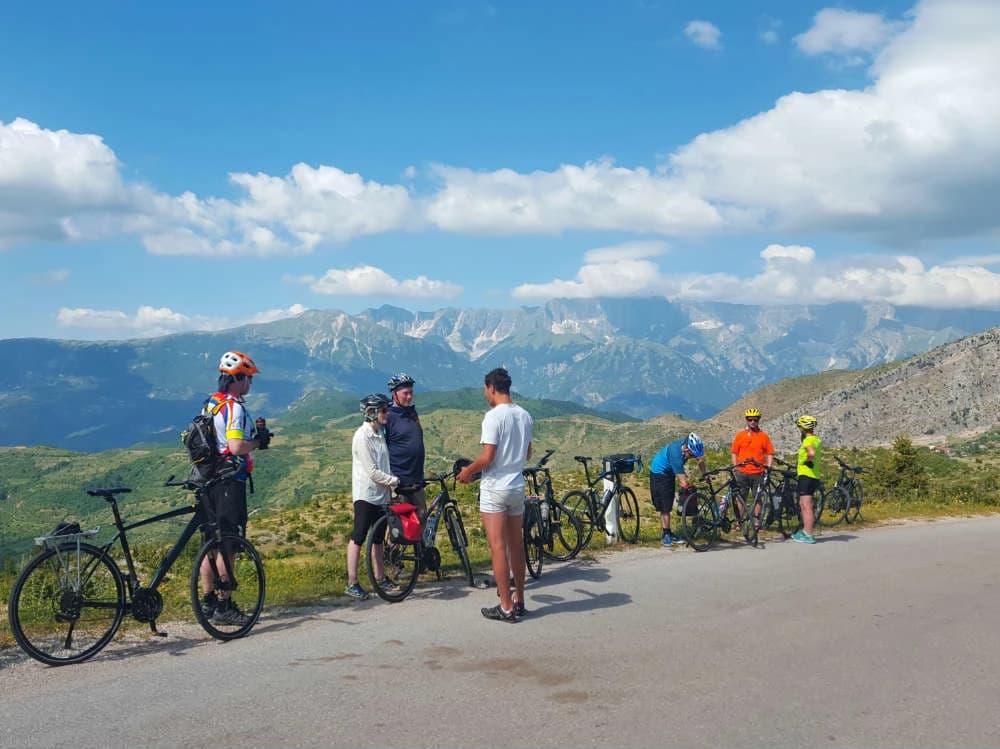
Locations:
{"points": [[808, 476], [405, 438], [237, 438], [371, 489], [666, 470]]}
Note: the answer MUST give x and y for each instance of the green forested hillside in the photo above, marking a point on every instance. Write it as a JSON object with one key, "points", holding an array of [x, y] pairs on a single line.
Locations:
{"points": [[309, 455]]}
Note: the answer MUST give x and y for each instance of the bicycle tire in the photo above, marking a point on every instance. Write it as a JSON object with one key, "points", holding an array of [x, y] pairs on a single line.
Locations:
{"points": [[628, 515], [853, 513], [401, 563], [579, 504], [48, 611], [754, 519], [834, 507], [532, 533], [700, 522], [819, 505], [790, 519], [566, 533], [459, 540], [246, 594]]}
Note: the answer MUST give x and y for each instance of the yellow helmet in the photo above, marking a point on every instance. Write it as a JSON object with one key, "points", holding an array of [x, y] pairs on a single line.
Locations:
{"points": [[751, 413], [806, 422]]}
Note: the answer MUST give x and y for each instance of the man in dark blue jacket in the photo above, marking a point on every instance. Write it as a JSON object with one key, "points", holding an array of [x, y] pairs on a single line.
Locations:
{"points": [[405, 438]]}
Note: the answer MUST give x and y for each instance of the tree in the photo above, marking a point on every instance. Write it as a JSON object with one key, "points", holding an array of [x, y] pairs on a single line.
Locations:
{"points": [[907, 473]]}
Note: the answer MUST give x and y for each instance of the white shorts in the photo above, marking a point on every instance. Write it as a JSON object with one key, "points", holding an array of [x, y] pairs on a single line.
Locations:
{"points": [[509, 501]]}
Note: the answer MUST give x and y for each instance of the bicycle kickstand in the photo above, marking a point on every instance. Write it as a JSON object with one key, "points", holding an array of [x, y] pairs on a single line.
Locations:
{"points": [[154, 632]]}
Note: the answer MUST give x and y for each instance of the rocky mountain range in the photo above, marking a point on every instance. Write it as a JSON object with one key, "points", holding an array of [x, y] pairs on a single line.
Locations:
{"points": [[641, 357]]}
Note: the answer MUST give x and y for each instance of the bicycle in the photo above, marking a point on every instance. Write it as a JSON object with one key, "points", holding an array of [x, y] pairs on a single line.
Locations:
{"points": [[547, 521], [589, 509], [843, 501], [784, 505], [69, 601], [403, 562], [704, 518]]}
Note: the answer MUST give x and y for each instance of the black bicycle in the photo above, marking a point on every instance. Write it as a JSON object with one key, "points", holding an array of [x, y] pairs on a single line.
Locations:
{"points": [[843, 500], [784, 507], [402, 561], [550, 529], [69, 601], [590, 509], [704, 516]]}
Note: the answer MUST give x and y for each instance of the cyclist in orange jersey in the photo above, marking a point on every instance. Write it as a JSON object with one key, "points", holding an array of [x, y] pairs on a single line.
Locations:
{"points": [[754, 444]]}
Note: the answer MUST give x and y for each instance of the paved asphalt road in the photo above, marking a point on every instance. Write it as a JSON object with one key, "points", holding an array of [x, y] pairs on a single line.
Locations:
{"points": [[881, 637]]}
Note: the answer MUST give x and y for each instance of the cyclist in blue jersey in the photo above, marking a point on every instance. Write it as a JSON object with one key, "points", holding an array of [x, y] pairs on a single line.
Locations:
{"points": [[405, 439], [666, 470]]}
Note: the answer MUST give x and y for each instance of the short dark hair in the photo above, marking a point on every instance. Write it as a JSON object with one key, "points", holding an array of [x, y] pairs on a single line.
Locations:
{"points": [[499, 380]]}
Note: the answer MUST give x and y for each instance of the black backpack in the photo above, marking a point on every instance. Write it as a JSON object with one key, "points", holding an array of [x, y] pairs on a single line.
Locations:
{"points": [[201, 443]]}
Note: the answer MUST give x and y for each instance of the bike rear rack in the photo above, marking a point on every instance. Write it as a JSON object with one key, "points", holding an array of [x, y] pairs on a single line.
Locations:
{"points": [[54, 541]]}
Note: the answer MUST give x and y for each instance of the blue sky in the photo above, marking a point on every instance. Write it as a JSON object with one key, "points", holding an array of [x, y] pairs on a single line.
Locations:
{"points": [[168, 167]]}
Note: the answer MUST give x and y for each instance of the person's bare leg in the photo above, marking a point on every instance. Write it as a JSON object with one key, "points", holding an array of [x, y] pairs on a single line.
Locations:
{"points": [[494, 523]]}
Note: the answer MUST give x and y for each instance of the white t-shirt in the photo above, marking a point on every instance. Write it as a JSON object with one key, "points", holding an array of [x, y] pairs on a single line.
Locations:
{"points": [[510, 428]]}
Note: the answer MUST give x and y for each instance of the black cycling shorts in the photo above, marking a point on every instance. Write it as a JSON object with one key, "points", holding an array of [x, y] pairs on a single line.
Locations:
{"points": [[229, 500], [365, 515], [808, 486], [662, 487]]}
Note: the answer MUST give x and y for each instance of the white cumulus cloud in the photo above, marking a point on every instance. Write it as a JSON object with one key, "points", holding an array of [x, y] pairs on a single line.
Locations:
{"points": [[845, 32], [618, 271], [149, 321], [367, 280], [704, 33], [596, 196], [790, 274]]}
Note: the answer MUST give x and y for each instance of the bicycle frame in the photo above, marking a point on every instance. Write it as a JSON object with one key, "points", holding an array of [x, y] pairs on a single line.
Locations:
{"points": [[598, 506]]}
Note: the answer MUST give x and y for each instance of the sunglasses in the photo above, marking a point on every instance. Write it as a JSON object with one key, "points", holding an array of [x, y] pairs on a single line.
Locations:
{"points": [[753, 418]]}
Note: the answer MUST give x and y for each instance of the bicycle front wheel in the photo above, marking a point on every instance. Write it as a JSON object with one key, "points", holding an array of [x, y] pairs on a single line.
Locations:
{"points": [[236, 575], [400, 563], [567, 534], [854, 503], [754, 518], [699, 521], [834, 507], [578, 503], [67, 604], [459, 540], [533, 540], [628, 516]]}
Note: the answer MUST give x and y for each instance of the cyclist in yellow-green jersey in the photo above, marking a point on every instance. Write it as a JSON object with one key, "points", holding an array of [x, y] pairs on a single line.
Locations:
{"points": [[808, 476]]}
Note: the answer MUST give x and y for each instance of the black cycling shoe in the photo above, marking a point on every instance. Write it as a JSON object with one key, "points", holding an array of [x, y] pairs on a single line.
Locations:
{"points": [[519, 609], [498, 614]]}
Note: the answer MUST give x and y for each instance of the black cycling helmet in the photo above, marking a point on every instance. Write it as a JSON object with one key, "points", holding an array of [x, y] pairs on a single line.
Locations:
{"points": [[462, 463], [399, 380], [371, 404]]}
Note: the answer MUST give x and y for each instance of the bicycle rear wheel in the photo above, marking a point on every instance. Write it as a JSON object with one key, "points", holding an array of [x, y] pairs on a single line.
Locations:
{"points": [[628, 515], [237, 576], [790, 519], [854, 503], [578, 503], [400, 563], [567, 534], [67, 604], [533, 539], [699, 521], [459, 540], [834, 507]]}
